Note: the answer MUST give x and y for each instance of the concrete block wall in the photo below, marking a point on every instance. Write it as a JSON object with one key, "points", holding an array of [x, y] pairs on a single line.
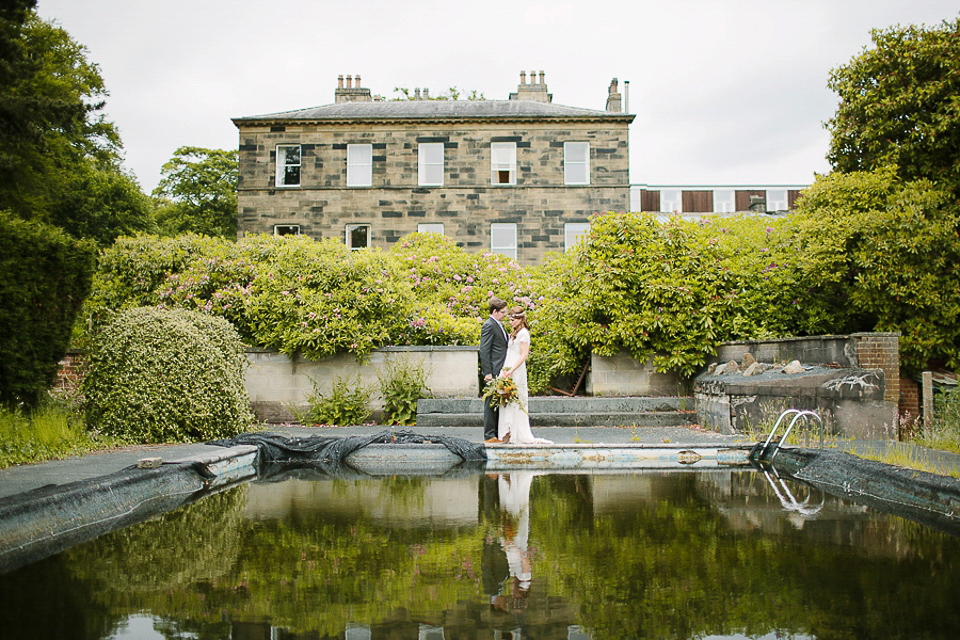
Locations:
{"points": [[276, 382], [624, 375], [467, 204]]}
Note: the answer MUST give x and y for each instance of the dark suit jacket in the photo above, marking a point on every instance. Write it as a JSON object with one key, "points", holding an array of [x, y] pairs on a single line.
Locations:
{"points": [[493, 348]]}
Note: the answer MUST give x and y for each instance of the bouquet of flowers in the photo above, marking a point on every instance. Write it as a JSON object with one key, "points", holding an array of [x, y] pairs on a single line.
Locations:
{"points": [[501, 391]]}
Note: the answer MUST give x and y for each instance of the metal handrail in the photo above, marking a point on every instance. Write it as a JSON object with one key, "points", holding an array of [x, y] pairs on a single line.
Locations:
{"points": [[799, 414], [789, 502]]}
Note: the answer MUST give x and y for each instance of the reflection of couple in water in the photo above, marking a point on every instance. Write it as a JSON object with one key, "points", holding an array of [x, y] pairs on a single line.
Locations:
{"points": [[508, 586]]}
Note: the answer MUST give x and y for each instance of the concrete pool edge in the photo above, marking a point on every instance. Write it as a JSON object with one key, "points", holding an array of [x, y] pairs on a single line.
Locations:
{"points": [[49, 519], [931, 499]]}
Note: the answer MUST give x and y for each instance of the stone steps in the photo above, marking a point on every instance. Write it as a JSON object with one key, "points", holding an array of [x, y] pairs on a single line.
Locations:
{"points": [[561, 411]]}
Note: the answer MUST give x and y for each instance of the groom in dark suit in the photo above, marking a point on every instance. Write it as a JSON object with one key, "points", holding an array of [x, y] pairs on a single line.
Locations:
{"points": [[493, 351]]}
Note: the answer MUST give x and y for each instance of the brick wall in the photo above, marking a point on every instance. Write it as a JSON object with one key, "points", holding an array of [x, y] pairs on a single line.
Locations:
{"points": [[909, 397], [881, 351], [68, 375], [540, 204]]}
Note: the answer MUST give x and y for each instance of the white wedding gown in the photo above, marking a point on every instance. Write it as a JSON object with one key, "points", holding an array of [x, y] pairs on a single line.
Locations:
{"points": [[514, 419]]}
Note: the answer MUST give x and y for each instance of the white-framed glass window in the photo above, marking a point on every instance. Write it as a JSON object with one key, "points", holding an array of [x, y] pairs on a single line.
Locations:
{"points": [[503, 238], [576, 163], [671, 200], [359, 165], [430, 161], [357, 236], [776, 199], [572, 232], [430, 227], [286, 229], [288, 165], [724, 200], [503, 163]]}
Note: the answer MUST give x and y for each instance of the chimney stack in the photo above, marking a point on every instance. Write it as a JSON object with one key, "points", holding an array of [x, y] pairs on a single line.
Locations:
{"points": [[534, 91], [351, 93], [614, 103]]}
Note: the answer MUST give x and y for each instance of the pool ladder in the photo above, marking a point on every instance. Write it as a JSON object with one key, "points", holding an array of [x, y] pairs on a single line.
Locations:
{"points": [[786, 497], [759, 453]]}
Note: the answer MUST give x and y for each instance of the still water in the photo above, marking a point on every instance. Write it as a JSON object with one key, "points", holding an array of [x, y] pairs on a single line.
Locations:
{"points": [[501, 556]]}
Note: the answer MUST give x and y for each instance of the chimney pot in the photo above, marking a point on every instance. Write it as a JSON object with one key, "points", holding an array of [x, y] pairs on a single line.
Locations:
{"points": [[358, 80], [349, 82], [541, 77], [533, 77], [523, 77], [340, 81]]}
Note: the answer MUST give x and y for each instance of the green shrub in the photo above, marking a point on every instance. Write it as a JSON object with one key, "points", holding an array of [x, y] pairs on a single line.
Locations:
{"points": [[166, 376], [348, 403], [44, 276], [133, 272], [401, 387], [319, 298], [881, 254]]}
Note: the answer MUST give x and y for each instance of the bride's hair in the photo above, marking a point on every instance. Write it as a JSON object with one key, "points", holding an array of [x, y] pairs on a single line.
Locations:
{"points": [[518, 313]]}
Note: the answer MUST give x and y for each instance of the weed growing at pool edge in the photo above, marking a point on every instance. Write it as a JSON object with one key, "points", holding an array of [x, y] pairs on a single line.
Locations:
{"points": [[55, 430]]}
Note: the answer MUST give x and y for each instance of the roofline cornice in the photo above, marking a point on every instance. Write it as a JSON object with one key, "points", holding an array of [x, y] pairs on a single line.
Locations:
{"points": [[263, 121]]}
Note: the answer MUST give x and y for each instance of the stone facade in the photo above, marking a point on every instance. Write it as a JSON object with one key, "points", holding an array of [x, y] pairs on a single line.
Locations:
{"points": [[537, 210]]}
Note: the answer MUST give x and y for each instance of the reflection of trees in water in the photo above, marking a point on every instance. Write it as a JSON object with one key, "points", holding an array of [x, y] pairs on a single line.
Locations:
{"points": [[46, 600], [676, 569], [667, 564], [195, 544], [405, 491]]}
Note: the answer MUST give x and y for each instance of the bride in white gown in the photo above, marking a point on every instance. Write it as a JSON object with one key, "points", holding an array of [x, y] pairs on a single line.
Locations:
{"points": [[514, 424]]}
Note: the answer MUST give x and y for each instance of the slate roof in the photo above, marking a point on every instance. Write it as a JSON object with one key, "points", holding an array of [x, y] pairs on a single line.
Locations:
{"points": [[423, 110]]}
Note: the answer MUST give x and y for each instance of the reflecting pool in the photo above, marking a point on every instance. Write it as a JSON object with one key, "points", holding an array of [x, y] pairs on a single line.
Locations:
{"points": [[708, 554]]}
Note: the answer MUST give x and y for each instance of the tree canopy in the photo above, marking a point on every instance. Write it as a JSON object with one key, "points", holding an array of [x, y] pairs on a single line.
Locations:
{"points": [[59, 155], [899, 105], [198, 193]]}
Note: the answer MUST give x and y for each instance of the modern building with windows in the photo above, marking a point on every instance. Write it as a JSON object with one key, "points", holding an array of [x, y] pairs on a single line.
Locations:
{"points": [[688, 200], [519, 176]]}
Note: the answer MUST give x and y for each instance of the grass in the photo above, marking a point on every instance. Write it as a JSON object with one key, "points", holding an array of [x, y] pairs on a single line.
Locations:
{"points": [[55, 430], [910, 457]]}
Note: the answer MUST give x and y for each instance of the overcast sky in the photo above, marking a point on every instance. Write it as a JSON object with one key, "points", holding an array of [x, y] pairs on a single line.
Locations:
{"points": [[726, 92]]}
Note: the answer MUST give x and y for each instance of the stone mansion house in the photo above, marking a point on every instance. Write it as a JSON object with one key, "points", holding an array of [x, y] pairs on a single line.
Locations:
{"points": [[518, 176]]}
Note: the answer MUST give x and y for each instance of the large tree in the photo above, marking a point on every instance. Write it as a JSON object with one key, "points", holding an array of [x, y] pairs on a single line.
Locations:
{"points": [[899, 105], [51, 101], [59, 156], [198, 193]]}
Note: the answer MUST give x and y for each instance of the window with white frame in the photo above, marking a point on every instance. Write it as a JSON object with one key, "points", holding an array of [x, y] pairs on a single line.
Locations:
{"points": [[576, 163], [503, 238], [430, 161], [359, 165], [724, 200], [671, 200], [286, 229], [430, 227], [288, 165], [573, 232], [776, 199], [503, 163], [357, 236]]}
